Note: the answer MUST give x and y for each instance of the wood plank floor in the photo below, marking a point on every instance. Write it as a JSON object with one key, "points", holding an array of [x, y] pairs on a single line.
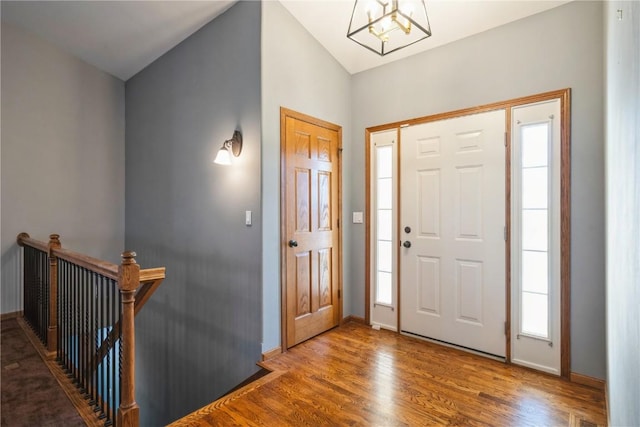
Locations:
{"points": [[354, 375]]}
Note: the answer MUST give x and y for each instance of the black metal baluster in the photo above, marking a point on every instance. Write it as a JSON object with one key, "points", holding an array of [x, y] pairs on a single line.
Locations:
{"points": [[76, 304], [70, 349], [103, 312], [81, 336], [58, 305], [94, 334], [115, 363], [72, 320], [61, 323], [35, 290], [108, 323], [39, 320], [67, 317], [88, 335], [120, 347], [38, 300], [72, 338], [98, 345], [25, 282], [45, 297], [27, 266], [65, 308]]}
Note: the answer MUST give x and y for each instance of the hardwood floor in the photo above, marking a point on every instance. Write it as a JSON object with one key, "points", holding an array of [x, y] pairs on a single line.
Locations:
{"points": [[354, 375]]}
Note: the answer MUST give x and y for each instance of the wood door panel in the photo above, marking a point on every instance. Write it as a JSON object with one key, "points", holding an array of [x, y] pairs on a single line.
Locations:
{"points": [[311, 213], [313, 324], [303, 284], [303, 192], [324, 200], [303, 144], [325, 280], [324, 149]]}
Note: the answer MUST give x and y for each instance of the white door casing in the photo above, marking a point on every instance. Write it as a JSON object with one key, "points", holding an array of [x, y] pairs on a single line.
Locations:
{"points": [[452, 277]]}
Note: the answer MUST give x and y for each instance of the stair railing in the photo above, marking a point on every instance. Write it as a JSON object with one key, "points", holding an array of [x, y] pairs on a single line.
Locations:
{"points": [[83, 311]]}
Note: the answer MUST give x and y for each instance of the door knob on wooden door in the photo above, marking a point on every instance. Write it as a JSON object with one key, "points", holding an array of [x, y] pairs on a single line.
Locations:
{"points": [[406, 244], [293, 244]]}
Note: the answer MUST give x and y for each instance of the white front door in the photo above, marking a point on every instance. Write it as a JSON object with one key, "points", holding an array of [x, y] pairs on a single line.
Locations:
{"points": [[452, 254]]}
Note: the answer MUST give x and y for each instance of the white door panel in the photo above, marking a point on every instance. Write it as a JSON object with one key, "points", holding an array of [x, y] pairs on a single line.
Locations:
{"points": [[453, 201]]}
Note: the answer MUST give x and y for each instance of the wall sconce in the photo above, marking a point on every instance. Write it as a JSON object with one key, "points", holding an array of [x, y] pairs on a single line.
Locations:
{"points": [[234, 145]]}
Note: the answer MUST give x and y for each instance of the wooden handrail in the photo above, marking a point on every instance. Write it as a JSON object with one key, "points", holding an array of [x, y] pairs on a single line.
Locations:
{"points": [[151, 274], [25, 240], [104, 268]]}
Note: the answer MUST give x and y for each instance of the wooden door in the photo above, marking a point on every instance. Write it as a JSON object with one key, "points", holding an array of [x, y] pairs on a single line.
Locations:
{"points": [[453, 231], [310, 233]]}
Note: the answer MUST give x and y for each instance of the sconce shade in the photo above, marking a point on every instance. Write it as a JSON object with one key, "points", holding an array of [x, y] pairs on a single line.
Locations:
{"points": [[230, 146], [223, 157], [385, 26]]}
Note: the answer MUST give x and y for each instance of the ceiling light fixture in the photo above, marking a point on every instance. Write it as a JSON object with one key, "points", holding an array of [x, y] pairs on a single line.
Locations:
{"points": [[230, 146], [385, 26]]}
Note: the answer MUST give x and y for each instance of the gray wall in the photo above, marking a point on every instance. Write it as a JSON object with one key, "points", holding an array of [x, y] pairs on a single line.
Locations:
{"points": [[200, 334], [297, 73], [623, 211], [62, 154], [556, 49]]}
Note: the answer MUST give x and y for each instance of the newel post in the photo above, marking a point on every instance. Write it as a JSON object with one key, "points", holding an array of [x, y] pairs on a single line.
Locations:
{"points": [[128, 282], [52, 333]]}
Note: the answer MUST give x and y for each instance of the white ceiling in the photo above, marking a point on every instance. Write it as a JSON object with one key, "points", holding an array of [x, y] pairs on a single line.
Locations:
{"points": [[123, 37]]}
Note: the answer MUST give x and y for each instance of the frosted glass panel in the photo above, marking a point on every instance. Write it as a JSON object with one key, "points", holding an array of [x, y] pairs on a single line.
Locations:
{"points": [[535, 309], [534, 230], [534, 146], [535, 272], [385, 224], [383, 289], [384, 193], [534, 205], [385, 256], [385, 163], [534, 188]]}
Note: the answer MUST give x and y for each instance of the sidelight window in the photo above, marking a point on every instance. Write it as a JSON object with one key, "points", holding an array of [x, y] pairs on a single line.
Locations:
{"points": [[384, 224], [534, 230]]}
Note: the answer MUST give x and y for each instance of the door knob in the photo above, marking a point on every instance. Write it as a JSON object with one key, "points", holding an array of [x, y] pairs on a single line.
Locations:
{"points": [[293, 244], [406, 244]]}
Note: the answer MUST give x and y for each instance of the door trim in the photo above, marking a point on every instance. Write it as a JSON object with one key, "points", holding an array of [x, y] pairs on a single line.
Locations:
{"points": [[565, 208], [284, 113]]}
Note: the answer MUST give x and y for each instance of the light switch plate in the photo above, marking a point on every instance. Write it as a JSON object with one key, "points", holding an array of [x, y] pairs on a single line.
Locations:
{"points": [[357, 218], [247, 217]]}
